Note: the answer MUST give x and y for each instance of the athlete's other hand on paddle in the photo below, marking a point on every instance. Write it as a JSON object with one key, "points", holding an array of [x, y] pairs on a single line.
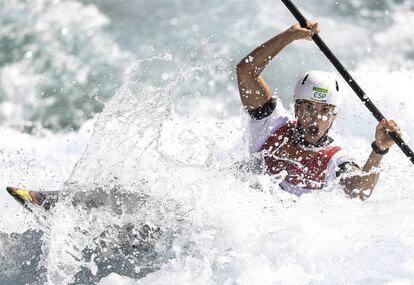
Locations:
{"points": [[382, 139], [362, 188]]}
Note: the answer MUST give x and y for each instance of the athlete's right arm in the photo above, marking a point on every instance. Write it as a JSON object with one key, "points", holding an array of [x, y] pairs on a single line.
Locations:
{"points": [[254, 92]]}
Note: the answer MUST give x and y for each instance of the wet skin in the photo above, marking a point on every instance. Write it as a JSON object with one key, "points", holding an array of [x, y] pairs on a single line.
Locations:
{"points": [[314, 118]]}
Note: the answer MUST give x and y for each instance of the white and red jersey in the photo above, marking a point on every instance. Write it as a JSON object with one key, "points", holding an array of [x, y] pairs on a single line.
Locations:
{"points": [[306, 169]]}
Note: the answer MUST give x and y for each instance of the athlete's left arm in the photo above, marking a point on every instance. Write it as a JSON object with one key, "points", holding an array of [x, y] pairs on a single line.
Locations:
{"points": [[362, 184]]}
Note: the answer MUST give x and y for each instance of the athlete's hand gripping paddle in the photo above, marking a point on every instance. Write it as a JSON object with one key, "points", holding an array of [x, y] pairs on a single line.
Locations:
{"points": [[348, 78]]}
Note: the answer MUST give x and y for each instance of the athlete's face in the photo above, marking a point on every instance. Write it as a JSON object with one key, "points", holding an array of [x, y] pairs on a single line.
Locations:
{"points": [[314, 118]]}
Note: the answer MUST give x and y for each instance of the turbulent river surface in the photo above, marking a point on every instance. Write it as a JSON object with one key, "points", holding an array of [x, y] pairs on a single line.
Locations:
{"points": [[137, 102]]}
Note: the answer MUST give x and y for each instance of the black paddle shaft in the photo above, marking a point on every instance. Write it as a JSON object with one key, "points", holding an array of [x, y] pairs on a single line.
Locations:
{"points": [[348, 78]]}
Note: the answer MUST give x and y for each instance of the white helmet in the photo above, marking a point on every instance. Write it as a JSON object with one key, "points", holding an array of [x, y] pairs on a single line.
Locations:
{"points": [[318, 86]]}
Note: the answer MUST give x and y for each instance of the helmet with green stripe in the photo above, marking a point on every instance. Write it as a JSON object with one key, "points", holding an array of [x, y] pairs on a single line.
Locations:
{"points": [[320, 87]]}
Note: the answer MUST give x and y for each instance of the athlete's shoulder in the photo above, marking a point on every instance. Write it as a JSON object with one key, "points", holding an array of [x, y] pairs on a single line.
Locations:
{"points": [[260, 130]]}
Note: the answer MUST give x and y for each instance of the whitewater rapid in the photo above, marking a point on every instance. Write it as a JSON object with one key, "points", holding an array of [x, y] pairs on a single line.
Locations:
{"points": [[174, 133]]}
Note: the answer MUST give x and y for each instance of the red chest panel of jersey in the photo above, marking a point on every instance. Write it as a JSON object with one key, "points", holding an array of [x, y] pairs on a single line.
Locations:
{"points": [[305, 168]]}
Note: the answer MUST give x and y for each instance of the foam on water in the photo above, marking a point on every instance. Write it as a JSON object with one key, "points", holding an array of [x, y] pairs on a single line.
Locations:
{"points": [[211, 222], [237, 228], [38, 163]]}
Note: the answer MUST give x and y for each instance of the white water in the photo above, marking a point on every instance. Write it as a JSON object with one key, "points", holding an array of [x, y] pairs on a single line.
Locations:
{"points": [[219, 225]]}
